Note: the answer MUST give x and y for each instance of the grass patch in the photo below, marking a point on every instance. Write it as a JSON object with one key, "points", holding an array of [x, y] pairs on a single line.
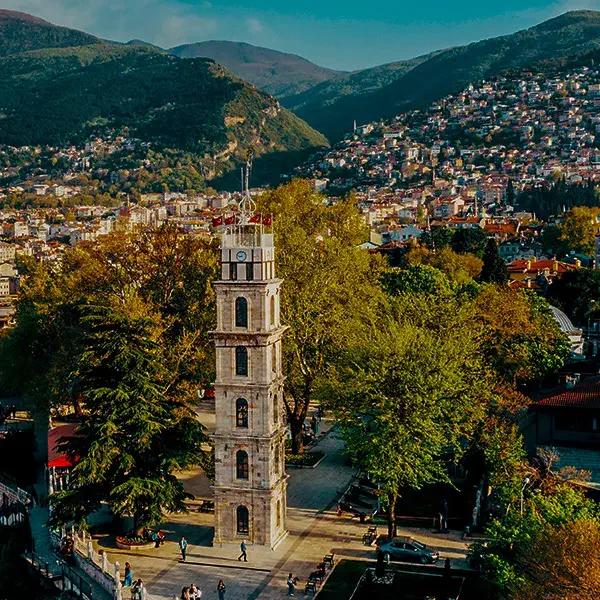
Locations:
{"points": [[341, 583]]}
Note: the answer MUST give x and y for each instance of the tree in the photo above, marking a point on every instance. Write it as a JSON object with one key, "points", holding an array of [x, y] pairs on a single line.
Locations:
{"points": [[172, 273], [579, 228], [417, 279], [562, 562], [524, 555], [331, 288], [459, 268], [133, 436], [494, 268], [578, 294], [437, 238], [521, 339], [472, 239], [407, 400]]}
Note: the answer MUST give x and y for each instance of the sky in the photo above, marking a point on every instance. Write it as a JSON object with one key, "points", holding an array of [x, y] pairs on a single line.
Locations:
{"points": [[340, 34]]}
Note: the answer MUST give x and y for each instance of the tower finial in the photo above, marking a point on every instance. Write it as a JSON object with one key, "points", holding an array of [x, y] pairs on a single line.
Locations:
{"points": [[246, 204]]}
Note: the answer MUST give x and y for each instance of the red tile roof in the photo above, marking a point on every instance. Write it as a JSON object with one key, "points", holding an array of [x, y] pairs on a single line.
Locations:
{"points": [[523, 265], [583, 395]]}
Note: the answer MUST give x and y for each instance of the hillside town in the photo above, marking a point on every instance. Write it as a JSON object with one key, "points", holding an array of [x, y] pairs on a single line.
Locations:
{"points": [[462, 163], [465, 160]]}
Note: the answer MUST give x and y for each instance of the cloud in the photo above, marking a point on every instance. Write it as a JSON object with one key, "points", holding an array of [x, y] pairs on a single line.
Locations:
{"points": [[163, 22], [254, 25]]}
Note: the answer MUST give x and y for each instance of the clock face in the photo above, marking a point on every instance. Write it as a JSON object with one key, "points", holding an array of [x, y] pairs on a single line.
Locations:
{"points": [[241, 255]]}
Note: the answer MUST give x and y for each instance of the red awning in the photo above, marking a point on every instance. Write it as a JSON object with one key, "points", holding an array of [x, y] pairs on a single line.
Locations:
{"points": [[57, 458]]}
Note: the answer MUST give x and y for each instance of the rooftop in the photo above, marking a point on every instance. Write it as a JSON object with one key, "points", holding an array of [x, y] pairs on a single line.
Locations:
{"points": [[582, 395]]}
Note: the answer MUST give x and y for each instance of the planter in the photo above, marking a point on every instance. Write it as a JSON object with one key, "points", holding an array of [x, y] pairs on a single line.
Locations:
{"points": [[308, 460], [126, 543]]}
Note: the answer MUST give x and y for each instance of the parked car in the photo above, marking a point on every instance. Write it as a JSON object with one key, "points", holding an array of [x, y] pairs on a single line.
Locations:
{"points": [[408, 549]]}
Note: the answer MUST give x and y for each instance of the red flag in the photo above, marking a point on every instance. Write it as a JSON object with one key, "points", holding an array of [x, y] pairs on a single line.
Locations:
{"points": [[255, 218], [267, 220], [230, 220], [217, 221]]}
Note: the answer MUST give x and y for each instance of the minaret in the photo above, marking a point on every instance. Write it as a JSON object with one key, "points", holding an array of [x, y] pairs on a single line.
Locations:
{"points": [[250, 480]]}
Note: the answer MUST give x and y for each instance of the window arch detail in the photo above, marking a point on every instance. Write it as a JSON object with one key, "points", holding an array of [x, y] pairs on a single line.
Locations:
{"points": [[241, 412], [243, 520], [241, 361], [241, 464], [241, 312], [272, 311]]}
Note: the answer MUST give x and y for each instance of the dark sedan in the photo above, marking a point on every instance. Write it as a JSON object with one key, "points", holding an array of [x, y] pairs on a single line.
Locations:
{"points": [[408, 550]]}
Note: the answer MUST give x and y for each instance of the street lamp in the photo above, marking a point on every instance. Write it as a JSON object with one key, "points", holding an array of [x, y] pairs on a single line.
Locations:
{"points": [[525, 484]]}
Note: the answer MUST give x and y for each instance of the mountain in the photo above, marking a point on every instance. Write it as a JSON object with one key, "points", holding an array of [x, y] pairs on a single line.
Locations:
{"points": [[144, 44], [332, 109], [352, 84], [274, 72], [20, 32], [63, 94]]}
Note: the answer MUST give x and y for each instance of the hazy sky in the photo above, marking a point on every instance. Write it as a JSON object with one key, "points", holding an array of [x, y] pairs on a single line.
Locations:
{"points": [[343, 34]]}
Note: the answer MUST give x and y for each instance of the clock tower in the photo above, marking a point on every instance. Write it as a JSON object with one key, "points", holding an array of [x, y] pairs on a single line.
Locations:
{"points": [[250, 480]]}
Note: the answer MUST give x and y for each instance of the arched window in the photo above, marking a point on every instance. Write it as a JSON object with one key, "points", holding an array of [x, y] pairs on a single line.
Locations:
{"points": [[272, 311], [274, 358], [278, 515], [241, 464], [241, 412], [243, 520], [275, 409], [241, 361], [277, 459], [241, 312]]}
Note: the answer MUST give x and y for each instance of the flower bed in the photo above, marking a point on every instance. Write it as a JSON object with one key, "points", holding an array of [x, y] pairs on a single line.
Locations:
{"points": [[125, 542], [306, 460]]}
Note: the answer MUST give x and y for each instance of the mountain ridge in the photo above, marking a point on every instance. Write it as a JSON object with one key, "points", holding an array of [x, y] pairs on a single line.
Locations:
{"points": [[278, 73], [66, 92], [446, 72]]}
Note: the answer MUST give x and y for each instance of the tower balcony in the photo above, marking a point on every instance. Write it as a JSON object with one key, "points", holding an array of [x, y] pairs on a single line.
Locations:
{"points": [[246, 237]]}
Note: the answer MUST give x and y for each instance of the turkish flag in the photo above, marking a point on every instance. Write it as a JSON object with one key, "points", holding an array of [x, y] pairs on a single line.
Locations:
{"points": [[230, 220], [217, 221], [267, 220], [255, 218]]}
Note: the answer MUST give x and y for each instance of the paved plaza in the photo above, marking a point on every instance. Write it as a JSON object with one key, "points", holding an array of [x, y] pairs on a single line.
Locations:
{"points": [[314, 530]]}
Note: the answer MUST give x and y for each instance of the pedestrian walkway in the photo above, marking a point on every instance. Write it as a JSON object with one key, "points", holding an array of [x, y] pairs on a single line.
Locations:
{"points": [[44, 552], [314, 530]]}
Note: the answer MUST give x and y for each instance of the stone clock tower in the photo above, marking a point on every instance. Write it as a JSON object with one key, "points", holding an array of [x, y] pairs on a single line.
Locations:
{"points": [[250, 480]]}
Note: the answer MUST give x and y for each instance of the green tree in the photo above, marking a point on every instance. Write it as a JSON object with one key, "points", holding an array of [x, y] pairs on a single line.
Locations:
{"points": [[472, 239], [172, 273], [517, 558], [406, 400], [459, 268], [578, 294], [494, 268], [330, 292], [134, 437], [417, 279], [520, 338], [579, 228]]}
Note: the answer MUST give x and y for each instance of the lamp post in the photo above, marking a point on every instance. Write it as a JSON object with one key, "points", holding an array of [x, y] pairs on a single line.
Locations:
{"points": [[525, 484]]}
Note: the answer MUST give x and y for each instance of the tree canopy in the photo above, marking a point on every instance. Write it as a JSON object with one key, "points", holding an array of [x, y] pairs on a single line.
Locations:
{"points": [[331, 289]]}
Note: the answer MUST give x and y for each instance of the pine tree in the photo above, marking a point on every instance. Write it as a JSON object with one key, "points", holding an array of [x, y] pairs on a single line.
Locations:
{"points": [[133, 436], [494, 268]]}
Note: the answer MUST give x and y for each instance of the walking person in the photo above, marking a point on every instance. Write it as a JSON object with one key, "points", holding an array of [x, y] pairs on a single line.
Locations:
{"points": [[291, 583], [137, 591], [221, 589], [243, 549], [128, 579], [183, 547]]}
